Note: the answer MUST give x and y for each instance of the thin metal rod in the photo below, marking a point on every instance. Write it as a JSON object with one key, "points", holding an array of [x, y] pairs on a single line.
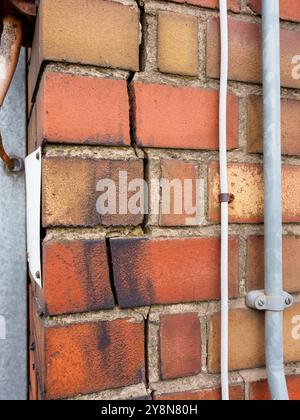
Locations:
{"points": [[273, 196], [224, 205]]}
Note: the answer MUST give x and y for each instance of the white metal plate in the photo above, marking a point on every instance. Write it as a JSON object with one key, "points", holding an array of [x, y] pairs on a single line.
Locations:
{"points": [[33, 168]]}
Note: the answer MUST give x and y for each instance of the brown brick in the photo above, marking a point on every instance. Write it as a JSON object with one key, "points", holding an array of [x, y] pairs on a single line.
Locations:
{"points": [[90, 357], [69, 191], [291, 263], [212, 394], [180, 345], [82, 109], [65, 28], [174, 171], [246, 339], [165, 271], [182, 117], [245, 55], [76, 277], [289, 9], [290, 110], [178, 43], [246, 183], [259, 391]]}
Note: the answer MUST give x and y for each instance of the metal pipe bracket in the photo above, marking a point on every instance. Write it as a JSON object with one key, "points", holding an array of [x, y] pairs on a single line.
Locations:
{"points": [[260, 301]]}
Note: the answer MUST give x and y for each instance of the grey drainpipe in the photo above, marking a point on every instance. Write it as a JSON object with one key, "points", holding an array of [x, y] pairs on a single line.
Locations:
{"points": [[272, 300]]}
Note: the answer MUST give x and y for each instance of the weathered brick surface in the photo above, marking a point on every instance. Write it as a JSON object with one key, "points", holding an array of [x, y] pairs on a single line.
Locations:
{"points": [[246, 183], [178, 44], [245, 54], [79, 271], [212, 394], [117, 73], [62, 104], [164, 271], [291, 263], [181, 117], [233, 5], [289, 9], [90, 357], [289, 124], [65, 29], [246, 339], [180, 345], [69, 191], [180, 174], [259, 391]]}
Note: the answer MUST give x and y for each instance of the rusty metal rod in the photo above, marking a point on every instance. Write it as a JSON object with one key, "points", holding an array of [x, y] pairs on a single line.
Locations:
{"points": [[11, 42]]}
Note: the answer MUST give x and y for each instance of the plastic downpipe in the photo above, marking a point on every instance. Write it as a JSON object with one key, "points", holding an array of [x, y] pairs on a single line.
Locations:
{"points": [[273, 196]]}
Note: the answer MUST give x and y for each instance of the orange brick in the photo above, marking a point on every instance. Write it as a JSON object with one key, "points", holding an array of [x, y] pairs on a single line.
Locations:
{"points": [[174, 171], [246, 183], [181, 117], [69, 191], [64, 29], [75, 277], [289, 9], [233, 5], [291, 263], [178, 43], [212, 394], [180, 345], [81, 109], [246, 339], [165, 271], [245, 52], [259, 391], [90, 357], [290, 129]]}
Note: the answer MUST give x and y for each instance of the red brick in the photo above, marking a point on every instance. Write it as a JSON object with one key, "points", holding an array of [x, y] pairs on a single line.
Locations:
{"points": [[289, 9], [212, 394], [69, 191], [180, 345], [173, 171], [259, 391], [181, 117], [164, 271], [233, 5], [246, 183], [245, 52], [291, 263], [76, 277], [82, 109], [89, 357], [290, 130]]}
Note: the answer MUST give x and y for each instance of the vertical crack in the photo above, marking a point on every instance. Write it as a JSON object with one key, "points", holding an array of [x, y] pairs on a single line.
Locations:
{"points": [[146, 349], [111, 271]]}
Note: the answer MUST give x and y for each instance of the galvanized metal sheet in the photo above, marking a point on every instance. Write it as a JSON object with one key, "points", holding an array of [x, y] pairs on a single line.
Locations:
{"points": [[13, 270]]}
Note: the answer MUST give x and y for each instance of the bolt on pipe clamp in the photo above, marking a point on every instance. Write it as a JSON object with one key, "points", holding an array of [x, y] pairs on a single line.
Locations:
{"points": [[260, 301]]}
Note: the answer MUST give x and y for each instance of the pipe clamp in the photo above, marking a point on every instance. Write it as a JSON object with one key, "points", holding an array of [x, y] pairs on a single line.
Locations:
{"points": [[260, 301]]}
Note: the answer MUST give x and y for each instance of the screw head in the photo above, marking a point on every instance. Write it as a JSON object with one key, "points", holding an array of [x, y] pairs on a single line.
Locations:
{"points": [[288, 301], [261, 302]]}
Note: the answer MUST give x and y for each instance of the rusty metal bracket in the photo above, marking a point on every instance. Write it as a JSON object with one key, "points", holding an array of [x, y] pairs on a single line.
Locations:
{"points": [[226, 198], [17, 20], [26, 11]]}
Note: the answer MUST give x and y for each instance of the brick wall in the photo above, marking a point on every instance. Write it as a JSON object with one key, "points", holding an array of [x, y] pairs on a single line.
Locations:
{"points": [[129, 307]]}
